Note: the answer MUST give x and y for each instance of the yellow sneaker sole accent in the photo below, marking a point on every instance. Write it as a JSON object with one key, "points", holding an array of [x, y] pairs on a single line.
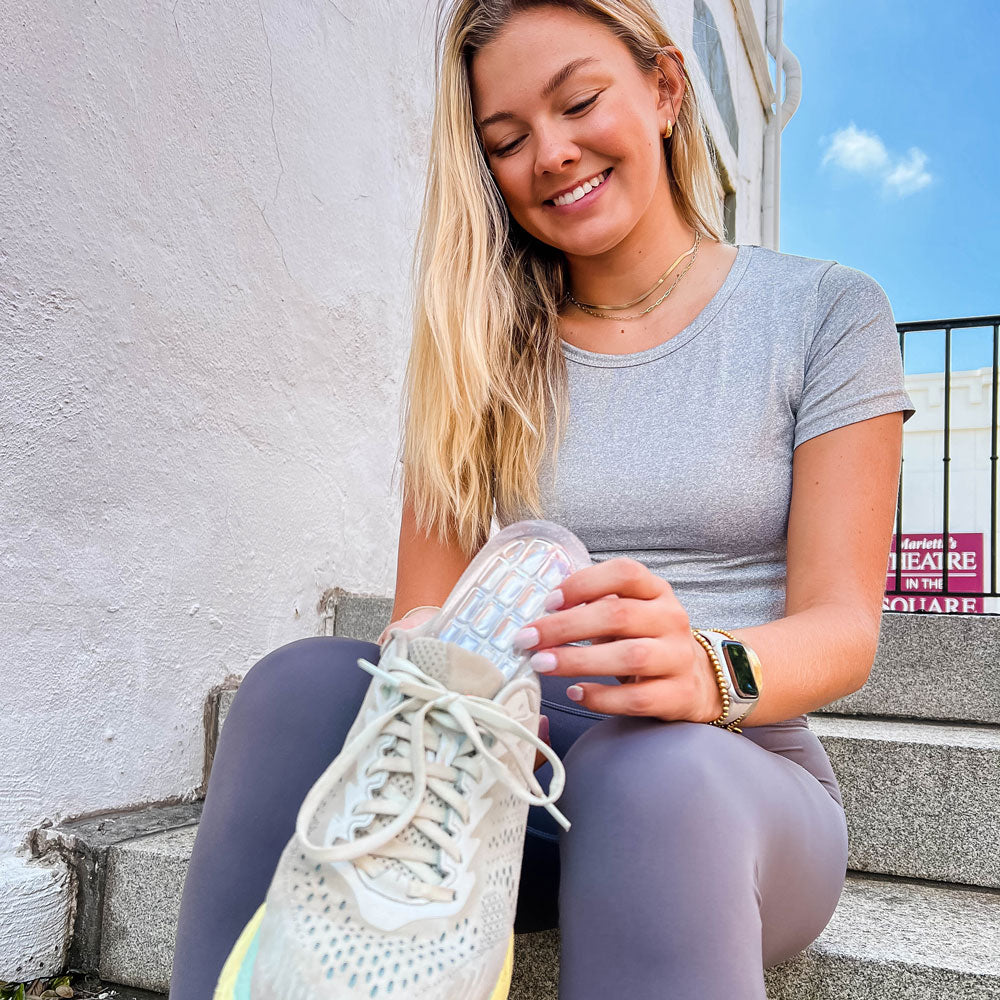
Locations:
{"points": [[226, 987], [503, 985]]}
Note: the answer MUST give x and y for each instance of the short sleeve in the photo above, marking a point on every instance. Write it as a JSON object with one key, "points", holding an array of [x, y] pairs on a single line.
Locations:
{"points": [[853, 367]]}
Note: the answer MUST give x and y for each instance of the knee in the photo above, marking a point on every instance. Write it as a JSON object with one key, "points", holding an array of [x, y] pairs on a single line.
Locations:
{"points": [[651, 770], [296, 668]]}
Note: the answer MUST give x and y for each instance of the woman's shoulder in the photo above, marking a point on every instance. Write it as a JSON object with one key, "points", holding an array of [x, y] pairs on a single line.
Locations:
{"points": [[827, 279]]}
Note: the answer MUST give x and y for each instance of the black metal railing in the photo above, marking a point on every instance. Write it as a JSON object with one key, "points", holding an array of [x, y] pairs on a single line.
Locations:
{"points": [[946, 326]]}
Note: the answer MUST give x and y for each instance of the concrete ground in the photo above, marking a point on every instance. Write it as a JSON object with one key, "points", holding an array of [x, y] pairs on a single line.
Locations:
{"points": [[89, 988]]}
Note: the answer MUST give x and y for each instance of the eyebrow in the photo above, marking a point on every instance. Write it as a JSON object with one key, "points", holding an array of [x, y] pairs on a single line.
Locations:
{"points": [[557, 80]]}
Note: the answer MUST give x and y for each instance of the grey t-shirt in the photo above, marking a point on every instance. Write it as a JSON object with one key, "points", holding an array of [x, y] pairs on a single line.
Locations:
{"points": [[680, 456]]}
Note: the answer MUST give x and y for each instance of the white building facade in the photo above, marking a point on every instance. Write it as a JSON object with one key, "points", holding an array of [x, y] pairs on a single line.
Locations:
{"points": [[970, 472]]}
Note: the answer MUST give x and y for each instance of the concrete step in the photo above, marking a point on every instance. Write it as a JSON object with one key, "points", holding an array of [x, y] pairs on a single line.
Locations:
{"points": [[907, 940], [922, 798], [86, 846], [904, 939], [913, 939], [927, 666], [359, 616], [142, 903]]}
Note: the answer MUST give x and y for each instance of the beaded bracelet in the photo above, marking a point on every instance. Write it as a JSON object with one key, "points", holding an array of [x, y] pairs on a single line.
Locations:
{"points": [[422, 607], [717, 666], [397, 621]]}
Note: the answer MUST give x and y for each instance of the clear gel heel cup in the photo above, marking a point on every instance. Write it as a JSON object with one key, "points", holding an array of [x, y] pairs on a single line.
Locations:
{"points": [[504, 588]]}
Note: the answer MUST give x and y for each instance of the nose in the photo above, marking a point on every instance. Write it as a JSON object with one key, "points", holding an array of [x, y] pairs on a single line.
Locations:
{"points": [[554, 152]]}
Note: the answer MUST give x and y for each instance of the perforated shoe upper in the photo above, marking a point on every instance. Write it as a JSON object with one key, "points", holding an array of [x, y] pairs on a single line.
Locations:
{"points": [[356, 910]]}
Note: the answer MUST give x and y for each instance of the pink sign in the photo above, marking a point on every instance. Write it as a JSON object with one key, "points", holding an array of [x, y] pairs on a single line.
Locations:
{"points": [[921, 564]]}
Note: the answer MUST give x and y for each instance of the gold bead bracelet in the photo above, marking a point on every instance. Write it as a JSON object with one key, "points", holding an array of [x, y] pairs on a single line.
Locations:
{"points": [[717, 666]]}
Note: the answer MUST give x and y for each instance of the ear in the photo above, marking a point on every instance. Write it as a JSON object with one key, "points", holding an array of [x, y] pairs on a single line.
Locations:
{"points": [[671, 84]]}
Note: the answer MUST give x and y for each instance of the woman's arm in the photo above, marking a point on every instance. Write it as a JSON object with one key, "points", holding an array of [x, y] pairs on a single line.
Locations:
{"points": [[427, 568], [844, 490]]}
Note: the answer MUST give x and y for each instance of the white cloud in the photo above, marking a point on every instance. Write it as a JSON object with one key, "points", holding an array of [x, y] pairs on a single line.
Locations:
{"points": [[909, 175], [855, 150], [865, 153]]}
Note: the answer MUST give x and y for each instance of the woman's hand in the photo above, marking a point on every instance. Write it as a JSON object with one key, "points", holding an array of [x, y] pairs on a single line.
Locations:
{"points": [[647, 641]]}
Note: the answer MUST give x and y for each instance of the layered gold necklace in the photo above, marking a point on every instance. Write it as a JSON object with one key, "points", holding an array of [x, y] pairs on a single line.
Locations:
{"points": [[594, 310]]}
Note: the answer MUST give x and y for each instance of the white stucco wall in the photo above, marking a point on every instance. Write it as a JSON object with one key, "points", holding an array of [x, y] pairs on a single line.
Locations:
{"points": [[208, 220], [209, 214]]}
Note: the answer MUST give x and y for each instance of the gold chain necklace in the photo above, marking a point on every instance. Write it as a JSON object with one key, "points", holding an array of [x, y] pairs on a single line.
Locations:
{"points": [[645, 295], [585, 307]]}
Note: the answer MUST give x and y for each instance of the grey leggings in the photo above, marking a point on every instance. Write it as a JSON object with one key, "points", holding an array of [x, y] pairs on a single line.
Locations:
{"points": [[697, 857]]}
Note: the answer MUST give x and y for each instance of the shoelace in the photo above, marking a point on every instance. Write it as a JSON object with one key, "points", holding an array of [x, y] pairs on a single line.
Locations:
{"points": [[429, 705]]}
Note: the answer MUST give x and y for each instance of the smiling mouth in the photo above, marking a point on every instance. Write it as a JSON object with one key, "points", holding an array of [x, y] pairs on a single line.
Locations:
{"points": [[606, 174]]}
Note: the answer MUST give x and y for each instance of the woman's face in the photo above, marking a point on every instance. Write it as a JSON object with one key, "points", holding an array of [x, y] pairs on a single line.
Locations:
{"points": [[605, 115]]}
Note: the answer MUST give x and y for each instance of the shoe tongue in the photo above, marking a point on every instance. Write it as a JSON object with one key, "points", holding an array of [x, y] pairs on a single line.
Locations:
{"points": [[457, 668], [460, 670]]}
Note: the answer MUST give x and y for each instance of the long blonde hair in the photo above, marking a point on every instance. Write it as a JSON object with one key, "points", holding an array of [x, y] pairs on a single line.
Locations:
{"points": [[485, 362]]}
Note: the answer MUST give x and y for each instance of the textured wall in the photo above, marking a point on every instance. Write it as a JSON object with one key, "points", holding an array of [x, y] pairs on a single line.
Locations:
{"points": [[208, 219]]}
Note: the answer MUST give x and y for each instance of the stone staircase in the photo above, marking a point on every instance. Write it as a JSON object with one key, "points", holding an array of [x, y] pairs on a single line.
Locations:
{"points": [[917, 756]]}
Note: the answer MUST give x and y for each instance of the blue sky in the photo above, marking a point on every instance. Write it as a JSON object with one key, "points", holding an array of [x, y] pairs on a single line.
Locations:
{"points": [[889, 163]]}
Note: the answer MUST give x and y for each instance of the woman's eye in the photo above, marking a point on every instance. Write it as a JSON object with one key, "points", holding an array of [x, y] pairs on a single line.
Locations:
{"points": [[503, 151], [586, 104]]}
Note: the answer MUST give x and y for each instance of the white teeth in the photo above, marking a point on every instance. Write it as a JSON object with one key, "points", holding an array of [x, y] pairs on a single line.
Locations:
{"points": [[585, 188]]}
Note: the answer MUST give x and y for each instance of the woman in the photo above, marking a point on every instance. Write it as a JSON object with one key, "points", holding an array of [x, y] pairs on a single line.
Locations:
{"points": [[721, 425]]}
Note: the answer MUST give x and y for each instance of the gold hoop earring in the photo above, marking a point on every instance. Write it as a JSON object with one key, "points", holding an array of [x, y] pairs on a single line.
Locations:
{"points": [[668, 131]]}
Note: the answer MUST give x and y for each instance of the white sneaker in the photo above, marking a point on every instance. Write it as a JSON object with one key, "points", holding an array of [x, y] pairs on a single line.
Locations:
{"points": [[401, 879]]}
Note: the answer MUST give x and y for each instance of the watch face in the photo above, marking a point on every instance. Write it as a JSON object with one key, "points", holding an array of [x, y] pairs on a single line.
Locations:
{"points": [[740, 669]]}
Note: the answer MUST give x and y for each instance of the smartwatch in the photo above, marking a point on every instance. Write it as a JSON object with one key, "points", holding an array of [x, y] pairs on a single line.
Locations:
{"points": [[740, 671]]}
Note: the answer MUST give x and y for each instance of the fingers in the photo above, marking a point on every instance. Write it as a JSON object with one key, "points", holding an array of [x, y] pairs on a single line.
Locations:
{"points": [[622, 576], [661, 697], [637, 658], [601, 620], [618, 598]]}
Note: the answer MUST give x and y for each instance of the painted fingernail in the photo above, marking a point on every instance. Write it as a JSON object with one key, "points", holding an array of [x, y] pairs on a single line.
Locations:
{"points": [[574, 692], [526, 638], [543, 662], [543, 728], [554, 600]]}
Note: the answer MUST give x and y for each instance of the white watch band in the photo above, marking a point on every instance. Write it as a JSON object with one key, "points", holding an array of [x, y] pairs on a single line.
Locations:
{"points": [[739, 707]]}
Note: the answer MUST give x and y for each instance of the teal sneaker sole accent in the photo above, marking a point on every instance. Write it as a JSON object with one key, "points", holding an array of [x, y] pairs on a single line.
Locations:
{"points": [[234, 980]]}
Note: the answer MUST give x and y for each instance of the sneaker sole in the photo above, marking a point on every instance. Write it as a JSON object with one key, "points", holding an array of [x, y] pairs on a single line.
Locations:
{"points": [[234, 980], [504, 588]]}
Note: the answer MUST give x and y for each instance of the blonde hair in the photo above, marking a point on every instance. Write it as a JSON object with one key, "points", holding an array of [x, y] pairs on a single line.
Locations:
{"points": [[485, 362]]}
